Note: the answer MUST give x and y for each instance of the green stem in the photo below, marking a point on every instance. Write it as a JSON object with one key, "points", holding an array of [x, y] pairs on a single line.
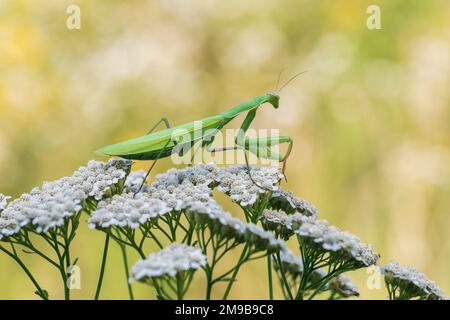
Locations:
{"points": [[127, 272], [62, 269], [269, 274], [209, 274], [68, 262], [41, 293], [236, 270], [283, 279], [180, 290], [102, 268]]}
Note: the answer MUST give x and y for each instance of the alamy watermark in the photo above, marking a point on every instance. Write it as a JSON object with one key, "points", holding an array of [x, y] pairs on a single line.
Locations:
{"points": [[73, 277], [373, 21], [73, 21], [232, 146], [374, 279]]}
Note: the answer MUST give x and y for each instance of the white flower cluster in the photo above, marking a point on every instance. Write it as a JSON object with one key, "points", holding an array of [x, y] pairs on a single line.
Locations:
{"points": [[262, 239], [180, 196], [219, 221], [3, 201], [134, 181], [344, 244], [343, 286], [278, 222], [178, 188], [185, 189], [321, 234], [286, 201], [98, 177], [45, 208], [127, 210], [169, 261], [201, 174], [234, 180], [292, 264], [228, 226], [411, 281], [236, 183]]}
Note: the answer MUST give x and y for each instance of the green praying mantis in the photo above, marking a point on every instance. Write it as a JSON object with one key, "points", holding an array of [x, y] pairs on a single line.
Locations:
{"points": [[182, 138]]}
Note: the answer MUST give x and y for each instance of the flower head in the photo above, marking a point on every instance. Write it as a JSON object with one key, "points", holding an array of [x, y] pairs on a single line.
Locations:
{"points": [[200, 174], [340, 285], [180, 196], [284, 200], [45, 208], [410, 283], [127, 210], [262, 239], [134, 181], [98, 177], [343, 287], [292, 264], [219, 221], [169, 261], [3, 201], [318, 233], [235, 182], [278, 222], [341, 245], [223, 223]]}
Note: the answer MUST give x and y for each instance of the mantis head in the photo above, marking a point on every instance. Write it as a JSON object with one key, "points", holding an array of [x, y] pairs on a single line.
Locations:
{"points": [[273, 99]]}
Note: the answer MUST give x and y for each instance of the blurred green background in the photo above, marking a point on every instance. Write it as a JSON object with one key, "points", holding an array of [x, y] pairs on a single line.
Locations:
{"points": [[370, 120]]}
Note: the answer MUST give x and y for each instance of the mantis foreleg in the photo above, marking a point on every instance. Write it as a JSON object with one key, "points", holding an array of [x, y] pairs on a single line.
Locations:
{"points": [[261, 148], [240, 141]]}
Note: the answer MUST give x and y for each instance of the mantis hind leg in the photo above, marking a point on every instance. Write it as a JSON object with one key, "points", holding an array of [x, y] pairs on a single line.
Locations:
{"points": [[163, 119], [167, 124], [152, 166]]}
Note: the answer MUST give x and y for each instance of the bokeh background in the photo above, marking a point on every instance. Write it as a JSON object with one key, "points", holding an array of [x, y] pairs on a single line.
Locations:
{"points": [[370, 120]]}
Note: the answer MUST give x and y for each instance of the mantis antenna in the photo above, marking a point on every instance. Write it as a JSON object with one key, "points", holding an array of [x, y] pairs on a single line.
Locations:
{"points": [[289, 81], [279, 78]]}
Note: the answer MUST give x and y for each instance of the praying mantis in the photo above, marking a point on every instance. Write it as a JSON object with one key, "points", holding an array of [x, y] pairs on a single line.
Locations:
{"points": [[162, 144]]}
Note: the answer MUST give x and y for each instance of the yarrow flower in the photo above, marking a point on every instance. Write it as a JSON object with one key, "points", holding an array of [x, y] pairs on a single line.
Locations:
{"points": [[180, 196], [178, 187], [278, 222], [200, 174], [181, 201], [339, 286], [127, 210], [288, 203], [134, 181], [319, 234], [236, 183], [169, 261], [262, 239], [219, 221], [342, 245], [342, 286], [226, 225], [45, 208], [98, 177], [408, 283], [3, 201], [292, 264]]}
